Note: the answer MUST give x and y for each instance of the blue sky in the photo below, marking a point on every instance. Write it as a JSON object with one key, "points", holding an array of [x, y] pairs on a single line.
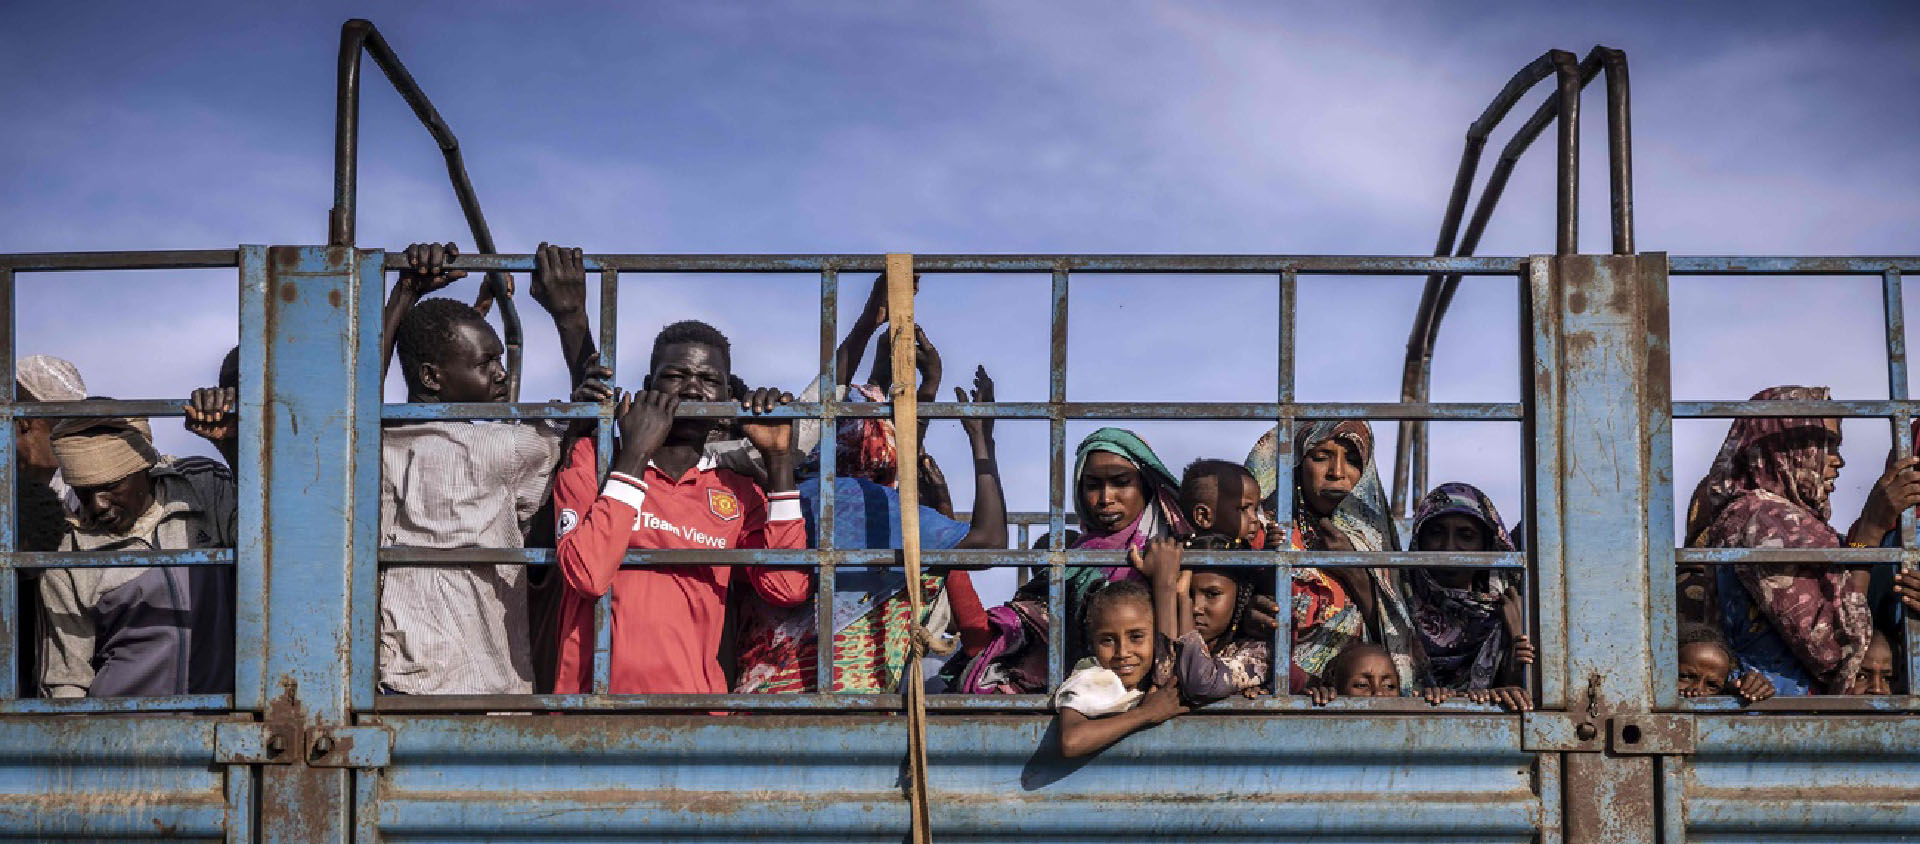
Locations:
{"points": [[1227, 127]]}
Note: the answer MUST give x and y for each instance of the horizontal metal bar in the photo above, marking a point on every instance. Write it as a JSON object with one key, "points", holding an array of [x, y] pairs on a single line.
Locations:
{"points": [[1470, 412], [98, 408], [1196, 264], [129, 558], [1304, 264], [871, 703], [813, 558], [1851, 409], [1737, 556], [1805, 703], [161, 259], [1786, 265], [83, 705]]}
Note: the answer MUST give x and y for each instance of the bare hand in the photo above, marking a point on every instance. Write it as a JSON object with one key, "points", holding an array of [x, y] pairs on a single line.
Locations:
{"points": [[426, 270], [1896, 491], [211, 414], [1906, 584], [1322, 695], [1161, 563], [978, 428], [593, 387], [770, 438], [874, 312], [1263, 615], [1753, 686], [1436, 695], [1510, 698], [1523, 650], [1332, 537], [927, 359], [644, 419], [1163, 703], [560, 280]]}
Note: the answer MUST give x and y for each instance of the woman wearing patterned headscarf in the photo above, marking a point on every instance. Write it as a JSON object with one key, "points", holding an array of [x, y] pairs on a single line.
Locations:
{"points": [[1466, 617], [1339, 504], [1123, 496], [1805, 626]]}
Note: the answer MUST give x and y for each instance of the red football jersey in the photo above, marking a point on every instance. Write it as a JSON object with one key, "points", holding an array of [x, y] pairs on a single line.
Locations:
{"points": [[666, 621]]}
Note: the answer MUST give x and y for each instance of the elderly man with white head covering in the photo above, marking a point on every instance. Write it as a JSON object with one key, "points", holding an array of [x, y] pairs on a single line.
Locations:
{"points": [[137, 631]]}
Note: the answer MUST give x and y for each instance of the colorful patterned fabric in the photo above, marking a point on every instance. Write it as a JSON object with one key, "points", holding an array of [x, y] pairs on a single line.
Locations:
{"points": [[1462, 630], [1362, 517], [1767, 490], [1325, 621]]}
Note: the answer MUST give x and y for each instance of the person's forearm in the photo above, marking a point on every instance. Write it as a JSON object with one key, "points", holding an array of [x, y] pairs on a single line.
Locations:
{"points": [[576, 343], [847, 358], [1166, 607], [230, 452], [779, 471], [1080, 735], [989, 524], [399, 301]]}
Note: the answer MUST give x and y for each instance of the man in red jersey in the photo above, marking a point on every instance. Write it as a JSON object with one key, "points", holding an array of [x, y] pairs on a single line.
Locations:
{"points": [[663, 492]]}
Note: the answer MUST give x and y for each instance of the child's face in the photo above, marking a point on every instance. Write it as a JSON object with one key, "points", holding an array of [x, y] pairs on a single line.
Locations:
{"points": [[1875, 676], [1240, 513], [1214, 596], [1122, 637], [1371, 675], [1704, 668]]}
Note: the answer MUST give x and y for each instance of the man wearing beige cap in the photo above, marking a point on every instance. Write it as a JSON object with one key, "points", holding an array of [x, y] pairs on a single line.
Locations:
{"points": [[137, 631]]}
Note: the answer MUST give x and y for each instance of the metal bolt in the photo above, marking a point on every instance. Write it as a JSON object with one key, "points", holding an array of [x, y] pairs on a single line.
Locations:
{"points": [[1586, 731], [276, 745], [322, 746]]}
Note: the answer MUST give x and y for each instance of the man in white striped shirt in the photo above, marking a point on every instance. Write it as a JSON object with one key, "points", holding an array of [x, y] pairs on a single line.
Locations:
{"points": [[463, 629]]}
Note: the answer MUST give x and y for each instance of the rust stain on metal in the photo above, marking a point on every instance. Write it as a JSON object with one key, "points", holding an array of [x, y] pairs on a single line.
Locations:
{"points": [[333, 297]]}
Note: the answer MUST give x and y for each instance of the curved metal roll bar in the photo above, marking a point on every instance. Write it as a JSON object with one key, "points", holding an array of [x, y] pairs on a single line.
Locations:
{"points": [[358, 35], [1410, 451]]}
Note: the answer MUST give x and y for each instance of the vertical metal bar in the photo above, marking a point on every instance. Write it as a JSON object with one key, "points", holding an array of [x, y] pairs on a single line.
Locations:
{"points": [[1896, 318], [1567, 193], [9, 508], [239, 808], [1657, 484], [1057, 483], [1541, 388], [1619, 150], [346, 140], [603, 606], [1282, 661], [250, 580], [603, 455], [366, 806], [364, 506], [829, 435], [321, 513]]}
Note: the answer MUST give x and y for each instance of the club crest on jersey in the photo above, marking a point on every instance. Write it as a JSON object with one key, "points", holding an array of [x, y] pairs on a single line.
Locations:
{"points": [[725, 505]]}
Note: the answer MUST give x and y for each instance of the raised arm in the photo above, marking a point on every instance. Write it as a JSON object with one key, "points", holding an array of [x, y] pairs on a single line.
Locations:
{"points": [[989, 526], [211, 414], [1161, 564], [872, 315], [560, 286], [425, 273]]}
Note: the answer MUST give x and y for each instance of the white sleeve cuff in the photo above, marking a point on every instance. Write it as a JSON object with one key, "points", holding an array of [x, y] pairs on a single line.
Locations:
{"points": [[783, 507], [625, 489]]}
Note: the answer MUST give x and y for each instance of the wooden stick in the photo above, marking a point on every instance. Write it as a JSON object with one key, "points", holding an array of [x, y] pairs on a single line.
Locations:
{"points": [[906, 435]]}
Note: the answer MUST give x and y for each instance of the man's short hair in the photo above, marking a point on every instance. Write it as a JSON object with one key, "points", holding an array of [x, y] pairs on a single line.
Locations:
{"points": [[426, 332], [690, 331], [1200, 472], [229, 377]]}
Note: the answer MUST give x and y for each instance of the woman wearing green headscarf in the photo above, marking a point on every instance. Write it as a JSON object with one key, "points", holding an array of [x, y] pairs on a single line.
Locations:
{"points": [[1123, 496]]}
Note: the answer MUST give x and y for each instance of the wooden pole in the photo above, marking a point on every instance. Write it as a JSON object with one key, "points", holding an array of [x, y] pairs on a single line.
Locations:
{"points": [[906, 434]]}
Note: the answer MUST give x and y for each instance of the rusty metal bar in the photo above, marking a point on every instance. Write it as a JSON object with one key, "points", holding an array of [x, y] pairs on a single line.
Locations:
{"points": [[825, 581], [1282, 662], [9, 506], [1845, 409], [932, 557], [1567, 188], [420, 411], [1619, 146], [1894, 308], [156, 259], [1057, 481], [993, 263], [121, 559], [785, 703], [359, 35]]}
